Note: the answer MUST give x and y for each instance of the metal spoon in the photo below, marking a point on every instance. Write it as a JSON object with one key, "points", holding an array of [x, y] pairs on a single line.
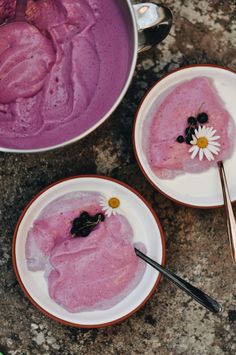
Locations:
{"points": [[199, 296], [229, 213]]}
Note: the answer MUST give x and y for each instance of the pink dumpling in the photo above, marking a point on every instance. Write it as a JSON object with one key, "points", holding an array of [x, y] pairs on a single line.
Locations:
{"points": [[169, 158], [26, 58], [54, 224], [95, 272]]}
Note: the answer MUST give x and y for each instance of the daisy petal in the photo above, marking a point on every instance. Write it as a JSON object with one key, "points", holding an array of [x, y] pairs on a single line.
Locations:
{"points": [[105, 208], [192, 149], [213, 149], [214, 138], [214, 143], [208, 154], [196, 150], [212, 132], [201, 154], [196, 133], [200, 128], [207, 134], [194, 139], [203, 131]]}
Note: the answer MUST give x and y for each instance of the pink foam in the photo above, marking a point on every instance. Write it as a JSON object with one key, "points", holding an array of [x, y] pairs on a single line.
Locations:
{"points": [[90, 38], [89, 273], [26, 58], [169, 158], [54, 224], [98, 271]]}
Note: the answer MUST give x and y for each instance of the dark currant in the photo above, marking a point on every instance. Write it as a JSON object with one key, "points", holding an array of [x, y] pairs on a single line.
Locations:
{"points": [[202, 117], [189, 131], [192, 121], [84, 216], [85, 232], [188, 139], [180, 139], [84, 224]]}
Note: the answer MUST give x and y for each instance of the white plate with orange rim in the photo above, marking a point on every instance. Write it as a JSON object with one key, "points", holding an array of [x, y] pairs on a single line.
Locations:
{"points": [[146, 227], [200, 190]]}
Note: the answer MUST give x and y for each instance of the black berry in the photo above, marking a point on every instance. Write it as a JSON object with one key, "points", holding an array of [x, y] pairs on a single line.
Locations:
{"points": [[192, 121], [85, 232], [83, 216], [188, 139], [180, 139], [202, 117], [83, 225], [76, 222], [189, 131]]}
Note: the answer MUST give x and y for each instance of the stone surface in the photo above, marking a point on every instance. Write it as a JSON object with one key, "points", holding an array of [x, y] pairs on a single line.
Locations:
{"points": [[197, 246]]}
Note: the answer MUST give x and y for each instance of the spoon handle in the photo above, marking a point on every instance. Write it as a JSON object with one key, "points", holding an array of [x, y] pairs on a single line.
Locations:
{"points": [[21, 6], [192, 291], [230, 219]]}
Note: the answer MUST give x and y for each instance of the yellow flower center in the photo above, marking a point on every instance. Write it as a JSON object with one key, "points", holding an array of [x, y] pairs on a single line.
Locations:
{"points": [[114, 202], [202, 142]]}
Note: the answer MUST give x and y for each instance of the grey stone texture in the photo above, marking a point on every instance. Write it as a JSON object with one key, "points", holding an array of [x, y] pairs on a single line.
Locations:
{"points": [[197, 245]]}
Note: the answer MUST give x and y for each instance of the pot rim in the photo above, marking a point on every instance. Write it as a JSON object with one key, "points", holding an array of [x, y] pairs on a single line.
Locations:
{"points": [[107, 115]]}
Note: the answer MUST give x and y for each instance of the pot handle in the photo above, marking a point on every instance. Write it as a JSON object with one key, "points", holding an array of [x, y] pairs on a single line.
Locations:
{"points": [[154, 23]]}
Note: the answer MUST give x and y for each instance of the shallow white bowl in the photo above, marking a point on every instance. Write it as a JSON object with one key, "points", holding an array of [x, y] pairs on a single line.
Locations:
{"points": [[197, 189], [146, 228]]}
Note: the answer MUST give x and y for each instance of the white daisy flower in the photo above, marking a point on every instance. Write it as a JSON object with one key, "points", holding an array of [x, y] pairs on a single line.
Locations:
{"points": [[110, 206], [204, 143]]}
